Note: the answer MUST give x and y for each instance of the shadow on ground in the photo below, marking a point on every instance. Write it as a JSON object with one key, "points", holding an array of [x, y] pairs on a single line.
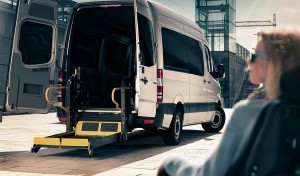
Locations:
{"points": [[141, 144]]}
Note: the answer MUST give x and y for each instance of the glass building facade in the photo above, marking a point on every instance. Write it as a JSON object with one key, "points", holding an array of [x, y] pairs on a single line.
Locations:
{"points": [[8, 4], [217, 19]]}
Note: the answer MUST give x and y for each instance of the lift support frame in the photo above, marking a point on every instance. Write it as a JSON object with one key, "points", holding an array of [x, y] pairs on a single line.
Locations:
{"points": [[87, 134]]}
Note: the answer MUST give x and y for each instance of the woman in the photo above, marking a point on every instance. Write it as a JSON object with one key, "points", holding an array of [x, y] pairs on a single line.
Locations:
{"points": [[279, 51], [258, 69]]}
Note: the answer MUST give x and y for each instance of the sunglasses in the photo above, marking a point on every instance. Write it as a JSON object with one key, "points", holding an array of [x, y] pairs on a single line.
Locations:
{"points": [[258, 54]]}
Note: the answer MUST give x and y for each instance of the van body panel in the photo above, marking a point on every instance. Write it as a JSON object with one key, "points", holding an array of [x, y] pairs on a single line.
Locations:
{"points": [[178, 99], [198, 92], [147, 109], [198, 99], [176, 84], [193, 30], [212, 92], [33, 56]]}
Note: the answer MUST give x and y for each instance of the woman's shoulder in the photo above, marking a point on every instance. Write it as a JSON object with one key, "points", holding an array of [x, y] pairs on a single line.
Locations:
{"points": [[246, 104], [244, 116], [246, 108]]}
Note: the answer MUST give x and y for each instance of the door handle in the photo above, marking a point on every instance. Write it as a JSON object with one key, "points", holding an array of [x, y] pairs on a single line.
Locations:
{"points": [[144, 80]]}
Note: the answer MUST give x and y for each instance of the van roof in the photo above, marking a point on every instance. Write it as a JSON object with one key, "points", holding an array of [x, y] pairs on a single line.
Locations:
{"points": [[165, 11]]}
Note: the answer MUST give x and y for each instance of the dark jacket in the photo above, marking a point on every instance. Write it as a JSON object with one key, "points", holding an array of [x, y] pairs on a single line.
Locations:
{"points": [[234, 140]]}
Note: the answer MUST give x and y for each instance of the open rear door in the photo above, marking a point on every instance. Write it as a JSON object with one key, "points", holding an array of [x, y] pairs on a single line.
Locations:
{"points": [[33, 56], [146, 83]]}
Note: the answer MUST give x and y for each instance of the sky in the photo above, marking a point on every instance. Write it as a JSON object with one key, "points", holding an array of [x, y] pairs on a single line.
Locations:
{"points": [[287, 15]]}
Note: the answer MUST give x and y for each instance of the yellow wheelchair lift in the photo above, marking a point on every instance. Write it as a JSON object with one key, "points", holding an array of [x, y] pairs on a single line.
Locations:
{"points": [[87, 134]]}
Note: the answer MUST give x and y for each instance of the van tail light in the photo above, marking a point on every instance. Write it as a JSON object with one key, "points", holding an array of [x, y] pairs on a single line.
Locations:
{"points": [[59, 91], [148, 121], [61, 117], [160, 88]]}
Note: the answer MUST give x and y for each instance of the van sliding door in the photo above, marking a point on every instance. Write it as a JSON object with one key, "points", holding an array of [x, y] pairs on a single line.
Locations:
{"points": [[33, 56]]}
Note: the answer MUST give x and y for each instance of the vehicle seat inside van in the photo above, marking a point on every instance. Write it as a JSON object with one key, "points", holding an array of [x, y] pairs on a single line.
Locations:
{"points": [[275, 145]]}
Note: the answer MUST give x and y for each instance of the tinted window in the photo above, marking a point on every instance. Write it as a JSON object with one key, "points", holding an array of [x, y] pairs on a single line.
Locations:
{"points": [[174, 50], [195, 54], [146, 40], [208, 60], [35, 43]]}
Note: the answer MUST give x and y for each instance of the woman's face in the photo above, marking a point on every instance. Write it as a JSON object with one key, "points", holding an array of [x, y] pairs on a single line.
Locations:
{"points": [[258, 67]]}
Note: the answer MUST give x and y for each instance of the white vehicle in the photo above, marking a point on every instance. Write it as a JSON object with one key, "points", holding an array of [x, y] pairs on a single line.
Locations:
{"points": [[157, 58]]}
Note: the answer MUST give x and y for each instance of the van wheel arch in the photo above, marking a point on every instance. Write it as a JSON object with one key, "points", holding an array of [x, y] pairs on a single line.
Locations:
{"points": [[181, 108]]}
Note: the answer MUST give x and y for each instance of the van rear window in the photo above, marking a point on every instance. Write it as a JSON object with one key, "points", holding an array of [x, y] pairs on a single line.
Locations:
{"points": [[146, 40], [35, 43]]}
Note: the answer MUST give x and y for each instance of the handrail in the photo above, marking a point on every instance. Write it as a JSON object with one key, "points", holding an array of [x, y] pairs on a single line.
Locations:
{"points": [[113, 97], [52, 102]]}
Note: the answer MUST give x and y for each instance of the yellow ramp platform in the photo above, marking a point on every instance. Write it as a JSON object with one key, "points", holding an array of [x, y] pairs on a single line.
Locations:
{"points": [[88, 135]]}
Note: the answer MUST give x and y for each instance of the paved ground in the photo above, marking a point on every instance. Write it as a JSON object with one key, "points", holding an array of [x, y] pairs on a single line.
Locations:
{"points": [[17, 132]]}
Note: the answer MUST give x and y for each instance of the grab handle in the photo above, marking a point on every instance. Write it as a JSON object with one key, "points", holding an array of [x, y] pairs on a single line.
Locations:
{"points": [[113, 97], [52, 102]]}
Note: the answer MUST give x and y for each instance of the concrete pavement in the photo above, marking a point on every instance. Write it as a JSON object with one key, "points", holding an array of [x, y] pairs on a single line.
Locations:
{"points": [[17, 133]]}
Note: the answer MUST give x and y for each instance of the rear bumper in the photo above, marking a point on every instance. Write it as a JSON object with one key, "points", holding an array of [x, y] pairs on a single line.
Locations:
{"points": [[145, 122]]}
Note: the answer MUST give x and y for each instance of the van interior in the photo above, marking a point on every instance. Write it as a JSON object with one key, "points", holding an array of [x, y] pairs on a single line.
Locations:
{"points": [[102, 48]]}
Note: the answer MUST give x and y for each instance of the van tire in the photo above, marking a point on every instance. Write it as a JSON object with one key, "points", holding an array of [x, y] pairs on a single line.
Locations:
{"points": [[172, 136], [218, 122]]}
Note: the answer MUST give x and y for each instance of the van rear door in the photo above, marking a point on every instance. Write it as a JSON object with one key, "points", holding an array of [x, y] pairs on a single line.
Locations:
{"points": [[33, 56], [146, 83]]}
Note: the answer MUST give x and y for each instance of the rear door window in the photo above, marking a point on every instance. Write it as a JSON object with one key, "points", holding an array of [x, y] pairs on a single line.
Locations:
{"points": [[146, 40], [35, 43]]}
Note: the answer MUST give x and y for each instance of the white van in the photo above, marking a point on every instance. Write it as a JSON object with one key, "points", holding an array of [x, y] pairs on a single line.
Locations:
{"points": [[157, 58]]}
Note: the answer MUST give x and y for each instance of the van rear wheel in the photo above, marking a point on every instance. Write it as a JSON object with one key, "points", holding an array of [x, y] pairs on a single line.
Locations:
{"points": [[172, 136], [217, 123]]}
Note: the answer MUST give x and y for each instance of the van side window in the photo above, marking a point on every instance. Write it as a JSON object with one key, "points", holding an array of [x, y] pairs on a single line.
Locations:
{"points": [[146, 40], [174, 50], [195, 54], [209, 60], [35, 43]]}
